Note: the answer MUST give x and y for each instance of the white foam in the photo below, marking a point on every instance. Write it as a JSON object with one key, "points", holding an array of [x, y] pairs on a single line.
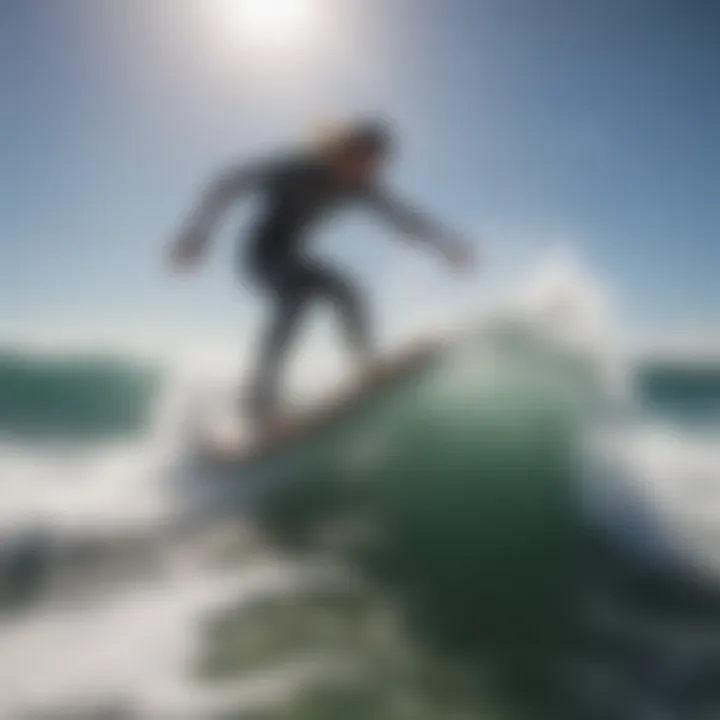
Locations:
{"points": [[140, 649], [660, 493]]}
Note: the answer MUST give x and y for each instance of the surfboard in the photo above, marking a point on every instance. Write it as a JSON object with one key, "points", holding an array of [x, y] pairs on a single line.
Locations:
{"points": [[247, 446]]}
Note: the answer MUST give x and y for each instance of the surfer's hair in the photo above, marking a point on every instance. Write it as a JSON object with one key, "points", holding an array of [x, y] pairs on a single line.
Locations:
{"points": [[366, 136]]}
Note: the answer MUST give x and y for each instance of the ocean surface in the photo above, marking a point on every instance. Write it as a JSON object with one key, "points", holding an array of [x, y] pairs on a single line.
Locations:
{"points": [[529, 528]]}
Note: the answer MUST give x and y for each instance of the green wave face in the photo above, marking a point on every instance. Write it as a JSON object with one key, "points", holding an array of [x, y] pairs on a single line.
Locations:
{"points": [[465, 482], [476, 502]]}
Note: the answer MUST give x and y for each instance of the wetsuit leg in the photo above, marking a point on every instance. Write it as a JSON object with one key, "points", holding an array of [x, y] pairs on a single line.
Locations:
{"points": [[330, 284], [290, 294], [294, 283]]}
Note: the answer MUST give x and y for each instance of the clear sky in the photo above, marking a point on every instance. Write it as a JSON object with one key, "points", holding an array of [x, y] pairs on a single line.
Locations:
{"points": [[522, 121]]}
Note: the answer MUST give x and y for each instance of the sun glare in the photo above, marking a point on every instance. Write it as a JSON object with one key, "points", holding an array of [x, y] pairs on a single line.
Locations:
{"points": [[271, 22]]}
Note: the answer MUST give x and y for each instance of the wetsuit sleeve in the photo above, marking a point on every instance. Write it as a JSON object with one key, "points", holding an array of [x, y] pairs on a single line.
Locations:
{"points": [[227, 189], [406, 218]]}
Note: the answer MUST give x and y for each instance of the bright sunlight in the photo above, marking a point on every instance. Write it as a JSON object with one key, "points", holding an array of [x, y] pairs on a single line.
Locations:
{"points": [[286, 23]]}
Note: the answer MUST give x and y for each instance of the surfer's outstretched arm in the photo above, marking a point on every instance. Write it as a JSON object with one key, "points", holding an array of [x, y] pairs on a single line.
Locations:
{"points": [[218, 197], [418, 225]]}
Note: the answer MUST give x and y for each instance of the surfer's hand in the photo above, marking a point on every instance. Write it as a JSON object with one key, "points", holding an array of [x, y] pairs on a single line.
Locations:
{"points": [[187, 250]]}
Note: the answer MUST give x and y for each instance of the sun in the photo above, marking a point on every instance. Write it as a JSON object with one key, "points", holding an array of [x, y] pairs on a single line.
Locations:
{"points": [[268, 22]]}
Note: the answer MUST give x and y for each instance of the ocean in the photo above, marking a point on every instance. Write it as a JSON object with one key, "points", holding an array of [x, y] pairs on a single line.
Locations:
{"points": [[527, 529]]}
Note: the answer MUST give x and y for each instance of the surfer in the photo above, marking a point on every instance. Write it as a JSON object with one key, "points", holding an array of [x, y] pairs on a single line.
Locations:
{"points": [[296, 193]]}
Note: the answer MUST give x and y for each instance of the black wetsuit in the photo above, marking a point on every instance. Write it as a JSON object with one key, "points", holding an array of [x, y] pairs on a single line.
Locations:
{"points": [[296, 194]]}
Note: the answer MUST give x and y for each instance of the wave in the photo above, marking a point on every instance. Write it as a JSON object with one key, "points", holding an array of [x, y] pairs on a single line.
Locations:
{"points": [[502, 502], [681, 389], [473, 503], [88, 397]]}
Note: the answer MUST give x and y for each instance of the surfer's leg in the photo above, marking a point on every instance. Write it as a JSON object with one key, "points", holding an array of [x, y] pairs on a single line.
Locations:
{"points": [[295, 283], [274, 345], [291, 287], [349, 303]]}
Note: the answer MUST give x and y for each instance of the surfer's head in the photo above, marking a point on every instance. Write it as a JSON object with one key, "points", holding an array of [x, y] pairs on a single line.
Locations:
{"points": [[358, 152]]}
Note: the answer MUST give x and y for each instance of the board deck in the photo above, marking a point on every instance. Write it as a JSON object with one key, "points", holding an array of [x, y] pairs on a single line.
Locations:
{"points": [[296, 428]]}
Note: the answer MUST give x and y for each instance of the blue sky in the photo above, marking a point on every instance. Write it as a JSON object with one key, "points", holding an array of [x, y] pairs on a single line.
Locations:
{"points": [[595, 120]]}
